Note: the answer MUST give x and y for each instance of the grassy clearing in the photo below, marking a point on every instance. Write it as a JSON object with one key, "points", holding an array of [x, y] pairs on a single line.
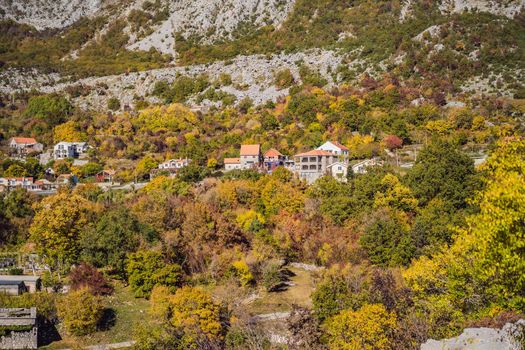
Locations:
{"points": [[127, 312], [299, 293]]}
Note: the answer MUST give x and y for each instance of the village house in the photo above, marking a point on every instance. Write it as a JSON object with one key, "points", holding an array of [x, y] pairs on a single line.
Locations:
{"points": [[43, 185], [339, 170], [251, 156], [232, 164], [66, 180], [173, 165], [106, 175], [22, 146], [272, 159], [312, 165], [30, 284], [360, 168], [10, 183], [63, 150], [334, 147]]}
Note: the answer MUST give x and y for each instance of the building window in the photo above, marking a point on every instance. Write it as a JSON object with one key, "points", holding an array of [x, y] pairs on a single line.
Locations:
{"points": [[304, 159], [313, 167], [313, 159], [304, 167]]}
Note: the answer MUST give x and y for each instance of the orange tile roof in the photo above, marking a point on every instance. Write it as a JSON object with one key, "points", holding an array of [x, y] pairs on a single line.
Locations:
{"points": [[272, 152], [343, 147], [250, 150], [232, 160], [27, 140], [315, 152]]}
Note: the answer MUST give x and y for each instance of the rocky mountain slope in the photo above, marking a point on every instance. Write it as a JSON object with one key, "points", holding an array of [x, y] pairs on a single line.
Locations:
{"points": [[44, 14], [474, 46]]}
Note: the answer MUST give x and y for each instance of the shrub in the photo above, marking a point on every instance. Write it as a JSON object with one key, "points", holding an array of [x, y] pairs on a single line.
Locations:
{"points": [[284, 79], [87, 276], [114, 104], [80, 312], [147, 269], [369, 328]]}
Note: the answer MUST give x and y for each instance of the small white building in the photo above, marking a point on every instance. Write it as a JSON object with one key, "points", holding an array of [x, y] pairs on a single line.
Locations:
{"points": [[63, 150], [334, 147], [232, 164], [360, 168], [174, 164], [338, 170]]}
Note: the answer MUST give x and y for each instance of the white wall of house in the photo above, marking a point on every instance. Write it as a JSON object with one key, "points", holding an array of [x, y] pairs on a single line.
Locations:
{"points": [[232, 166]]}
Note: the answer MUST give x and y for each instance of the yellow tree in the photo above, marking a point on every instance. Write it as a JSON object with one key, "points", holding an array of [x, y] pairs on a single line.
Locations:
{"points": [[80, 311], [57, 225], [195, 312], [68, 132], [369, 328]]}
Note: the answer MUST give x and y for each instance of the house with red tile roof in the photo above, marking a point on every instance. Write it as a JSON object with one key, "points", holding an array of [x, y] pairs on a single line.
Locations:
{"points": [[273, 158], [335, 148], [105, 175], [251, 156], [312, 165], [24, 145], [232, 164]]}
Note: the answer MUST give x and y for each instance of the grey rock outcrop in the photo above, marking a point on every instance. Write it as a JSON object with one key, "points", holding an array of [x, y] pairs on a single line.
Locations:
{"points": [[510, 337]]}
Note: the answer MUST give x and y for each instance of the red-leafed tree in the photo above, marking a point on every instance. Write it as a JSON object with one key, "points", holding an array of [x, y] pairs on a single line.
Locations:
{"points": [[86, 275], [393, 142]]}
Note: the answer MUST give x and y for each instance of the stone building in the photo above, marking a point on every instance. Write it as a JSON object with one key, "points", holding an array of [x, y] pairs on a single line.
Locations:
{"points": [[24, 332]]}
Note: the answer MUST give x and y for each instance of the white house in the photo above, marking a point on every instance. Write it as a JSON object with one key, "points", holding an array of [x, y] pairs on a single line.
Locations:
{"points": [[232, 164], [334, 147], [64, 150], [338, 170], [174, 164], [251, 156], [10, 183], [360, 168]]}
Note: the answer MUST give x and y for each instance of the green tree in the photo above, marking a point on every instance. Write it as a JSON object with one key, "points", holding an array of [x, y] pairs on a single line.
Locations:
{"points": [[386, 239], [443, 171], [114, 104], [107, 244], [146, 269], [53, 109], [15, 170]]}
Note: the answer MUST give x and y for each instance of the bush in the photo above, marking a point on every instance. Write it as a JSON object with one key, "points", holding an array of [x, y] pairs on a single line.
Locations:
{"points": [[87, 276], [147, 269], [114, 104], [284, 79], [80, 312]]}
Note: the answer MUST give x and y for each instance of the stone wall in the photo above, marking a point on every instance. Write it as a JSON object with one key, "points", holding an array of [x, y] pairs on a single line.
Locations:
{"points": [[20, 340]]}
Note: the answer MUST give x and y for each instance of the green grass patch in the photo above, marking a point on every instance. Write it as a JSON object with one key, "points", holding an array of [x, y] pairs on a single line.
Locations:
{"points": [[128, 311]]}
